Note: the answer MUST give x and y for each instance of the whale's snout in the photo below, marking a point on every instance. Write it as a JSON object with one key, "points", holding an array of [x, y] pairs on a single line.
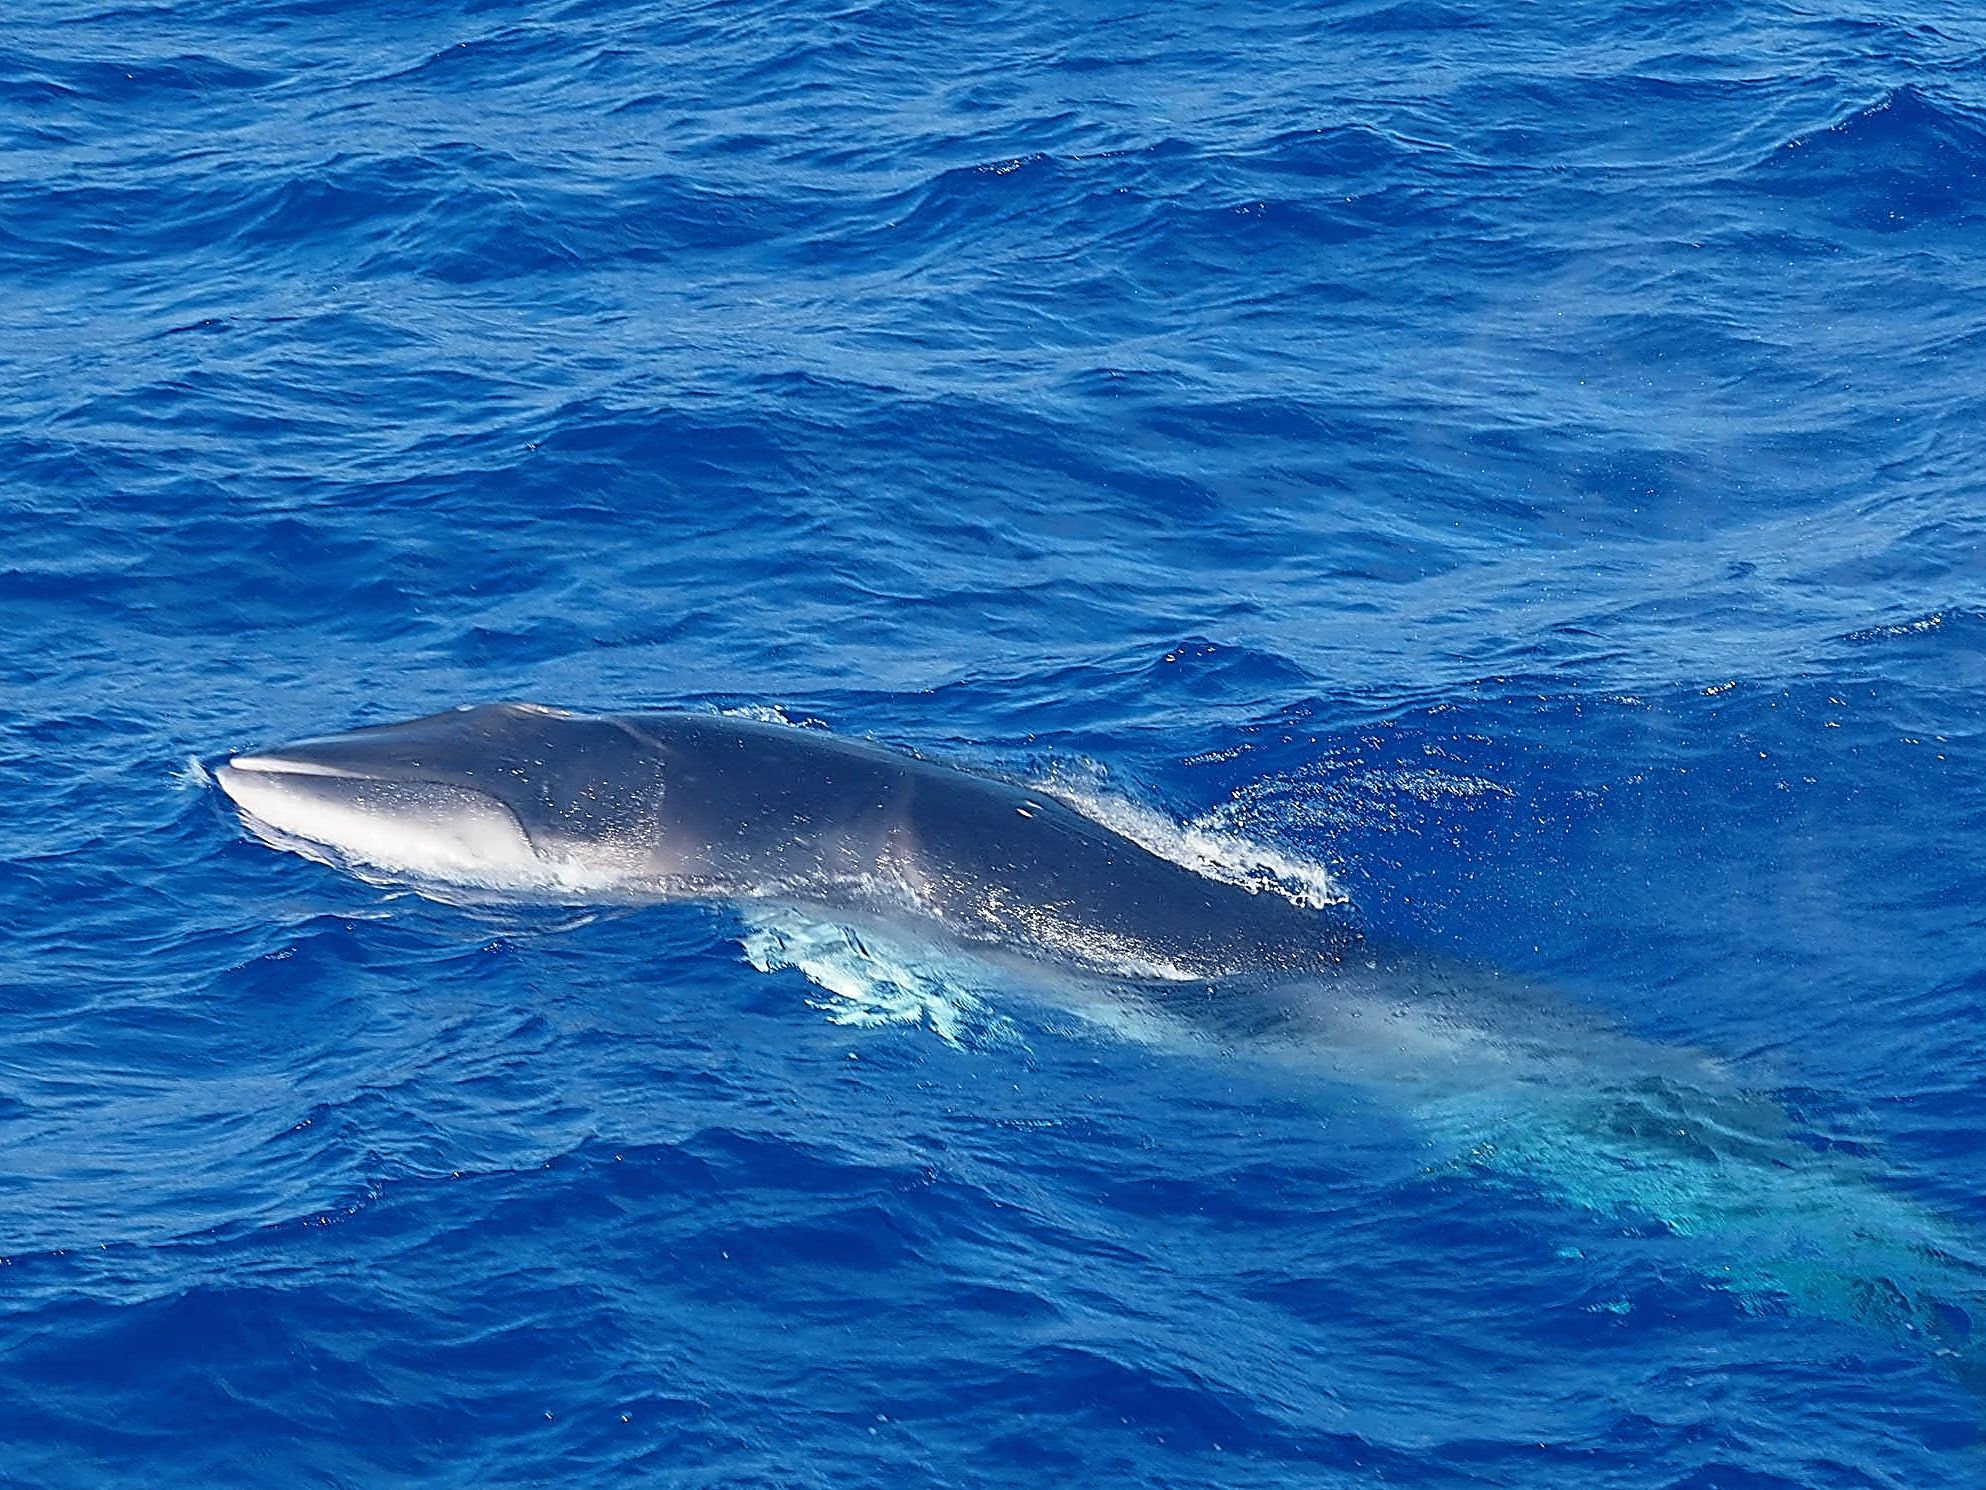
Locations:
{"points": [[511, 797], [303, 796]]}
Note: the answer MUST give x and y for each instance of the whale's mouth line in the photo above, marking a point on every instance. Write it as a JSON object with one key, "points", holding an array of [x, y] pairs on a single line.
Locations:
{"points": [[281, 765]]}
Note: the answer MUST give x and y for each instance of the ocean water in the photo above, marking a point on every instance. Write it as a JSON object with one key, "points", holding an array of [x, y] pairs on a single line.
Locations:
{"points": [[1520, 467]]}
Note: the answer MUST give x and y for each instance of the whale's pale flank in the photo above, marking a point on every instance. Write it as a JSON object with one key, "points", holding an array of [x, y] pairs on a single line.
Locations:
{"points": [[531, 800]]}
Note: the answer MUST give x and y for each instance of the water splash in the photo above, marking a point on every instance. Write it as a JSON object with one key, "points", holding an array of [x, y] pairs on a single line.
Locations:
{"points": [[870, 979], [1210, 845]]}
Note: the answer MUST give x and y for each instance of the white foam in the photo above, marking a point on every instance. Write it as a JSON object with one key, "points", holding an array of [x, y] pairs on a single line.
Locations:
{"points": [[1207, 845], [871, 980], [771, 714]]}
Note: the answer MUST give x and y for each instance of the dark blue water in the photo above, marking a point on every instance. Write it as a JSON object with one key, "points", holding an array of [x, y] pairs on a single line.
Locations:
{"points": [[1524, 462]]}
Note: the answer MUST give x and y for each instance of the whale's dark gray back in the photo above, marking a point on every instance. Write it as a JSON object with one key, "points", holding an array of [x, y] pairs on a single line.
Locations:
{"points": [[698, 805], [813, 816]]}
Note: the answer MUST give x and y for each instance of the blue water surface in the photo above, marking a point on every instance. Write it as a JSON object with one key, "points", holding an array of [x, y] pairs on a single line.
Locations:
{"points": [[1524, 461]]}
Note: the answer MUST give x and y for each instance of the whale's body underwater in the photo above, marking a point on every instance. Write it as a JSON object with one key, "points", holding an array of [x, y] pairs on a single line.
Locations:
{"points": [[521, 801]]}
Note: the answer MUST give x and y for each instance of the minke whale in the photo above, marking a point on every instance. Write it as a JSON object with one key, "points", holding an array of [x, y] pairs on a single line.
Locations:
{"points": [[525, 800], [1515, 1088]]}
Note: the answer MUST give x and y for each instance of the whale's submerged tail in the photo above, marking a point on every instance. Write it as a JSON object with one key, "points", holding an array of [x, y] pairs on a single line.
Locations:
{"points": [[1542, 1103], [1766, 1215]]}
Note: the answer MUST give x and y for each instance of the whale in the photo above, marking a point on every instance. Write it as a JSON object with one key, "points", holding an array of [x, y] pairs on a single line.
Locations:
{"points": [[534, 801], [1505, 1083]]}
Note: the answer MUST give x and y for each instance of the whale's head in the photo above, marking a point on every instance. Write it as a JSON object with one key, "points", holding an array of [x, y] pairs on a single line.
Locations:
{"points": [[509, 797]]}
